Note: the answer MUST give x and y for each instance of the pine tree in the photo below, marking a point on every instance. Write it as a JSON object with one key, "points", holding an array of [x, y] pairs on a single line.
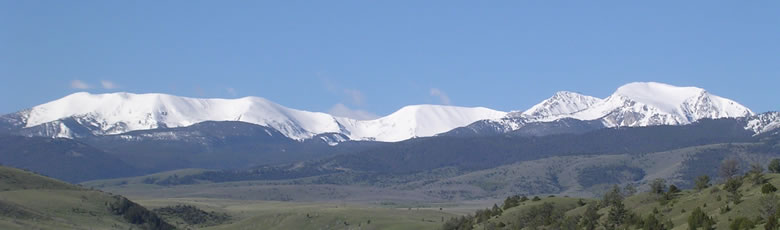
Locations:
{"points": [[496, 211], [757, 174], [768, 188], [673, 189], [510, 202], [651, 223], [590, 220], [768, 206], [617, 216], [732, 186], [658, 186], [702, 182], [774, 166], [698, 219], [612, 197]]}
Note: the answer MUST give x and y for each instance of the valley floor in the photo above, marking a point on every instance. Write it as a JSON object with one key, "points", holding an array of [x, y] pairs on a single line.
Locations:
{"points": [[247, 214]]}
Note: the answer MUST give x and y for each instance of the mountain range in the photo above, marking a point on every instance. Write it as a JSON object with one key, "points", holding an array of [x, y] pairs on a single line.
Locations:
{"points": [[96, 136], [632, 105], [83, 114]]}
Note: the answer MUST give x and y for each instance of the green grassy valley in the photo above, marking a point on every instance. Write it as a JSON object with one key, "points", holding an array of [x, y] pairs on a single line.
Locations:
{"points": [[31, 201], [747, 201]]}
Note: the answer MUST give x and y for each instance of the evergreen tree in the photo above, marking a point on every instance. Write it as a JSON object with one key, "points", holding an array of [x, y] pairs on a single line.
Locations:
{"points": [[612, 197], [629, 189], [658, 186], [768, 206], [617, 216], [590, 220], [774, 166], [742, 223], [698, 219], [757, 174], [651, 223], [496, 211], [510, 202], [768, 188], [673, 189], [524, 198], [732, 186], [702, 182], [568, 223], [580, 202], [459, 223]]}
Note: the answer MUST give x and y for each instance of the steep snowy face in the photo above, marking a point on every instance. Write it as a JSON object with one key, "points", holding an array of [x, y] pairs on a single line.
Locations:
{"points": [[690, 103], [764, 122], [417, 121], [651, 103], [121, 112], [637, 104], [562, 103]]}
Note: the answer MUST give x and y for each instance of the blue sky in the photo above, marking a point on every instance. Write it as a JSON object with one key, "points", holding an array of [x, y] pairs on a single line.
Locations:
{"points": [[377, 56]]}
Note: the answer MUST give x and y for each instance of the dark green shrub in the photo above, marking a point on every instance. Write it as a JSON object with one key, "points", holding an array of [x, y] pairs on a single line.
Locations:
{"points": [[742, 223], [768, 188]]}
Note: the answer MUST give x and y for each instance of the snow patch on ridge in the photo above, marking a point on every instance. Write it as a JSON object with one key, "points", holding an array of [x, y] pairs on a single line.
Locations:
{"points": [[764, 122], [562, 103]]}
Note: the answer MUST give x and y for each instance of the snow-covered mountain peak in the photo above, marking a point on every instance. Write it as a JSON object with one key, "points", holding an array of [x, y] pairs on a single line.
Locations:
{"points": [[652, 103], [658, 93], [690, 103], [561, 103], [637, 104], [662, 96], [114, 113], [417, 121], [633, 104]]}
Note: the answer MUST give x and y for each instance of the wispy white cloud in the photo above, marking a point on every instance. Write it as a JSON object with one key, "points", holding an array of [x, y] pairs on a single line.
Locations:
{"points": [[341, 110], [443, 98], [355, 96], [327, 83], [78, 84], [108, 84]]}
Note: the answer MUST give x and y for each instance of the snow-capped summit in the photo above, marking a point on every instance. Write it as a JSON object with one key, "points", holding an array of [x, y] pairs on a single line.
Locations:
{"points": [[417, 121], [633, 104], [690, 102], [561, 103], [114, 113], [651, 103]]}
